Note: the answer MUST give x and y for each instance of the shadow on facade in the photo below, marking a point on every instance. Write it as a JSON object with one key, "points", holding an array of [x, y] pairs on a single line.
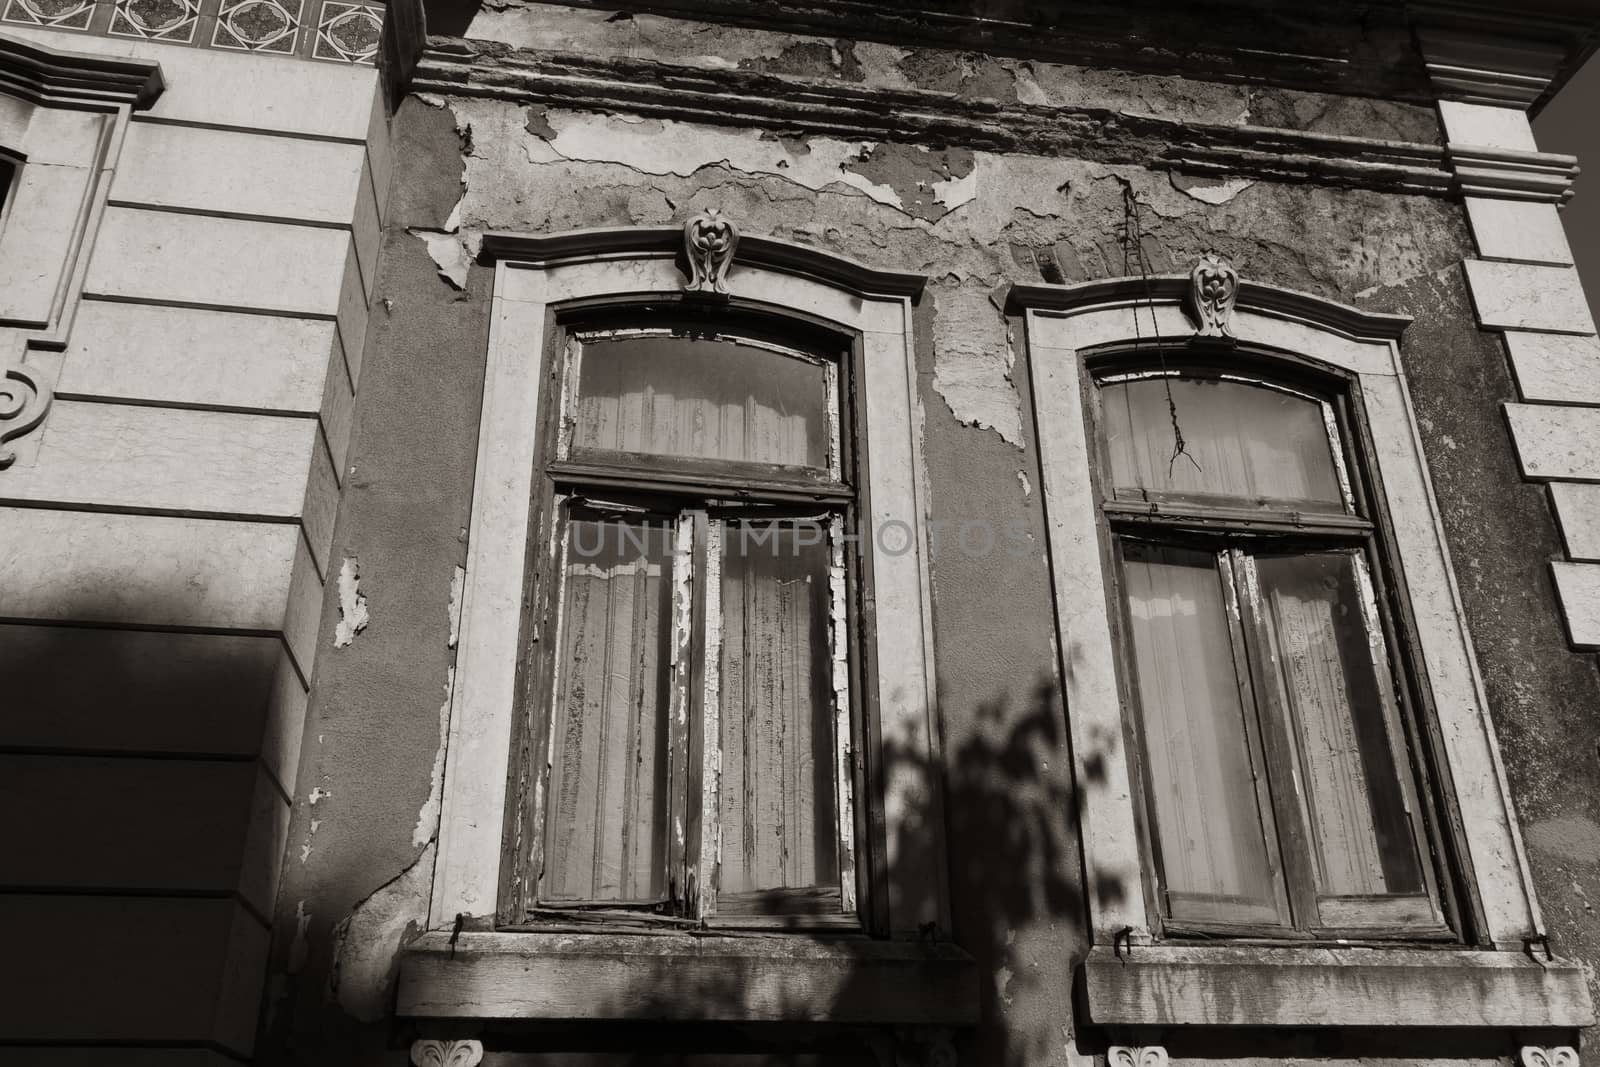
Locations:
{"points": [[1015, 875]]}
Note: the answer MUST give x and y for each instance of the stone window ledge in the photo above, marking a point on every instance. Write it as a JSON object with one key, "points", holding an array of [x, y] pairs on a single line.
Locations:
{"points": [[1334, 986], [687, 978]]}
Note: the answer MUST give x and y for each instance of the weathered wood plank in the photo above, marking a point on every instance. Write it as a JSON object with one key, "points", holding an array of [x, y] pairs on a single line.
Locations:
{"points": [[135, 969], [237, 173], [227, 263], [1222, 986], [680, 977], [145, 570], [197, 356], [171, 459]]}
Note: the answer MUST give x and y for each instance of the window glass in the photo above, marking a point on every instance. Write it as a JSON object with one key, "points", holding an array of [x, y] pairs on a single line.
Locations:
{"points": [[702, 398], [1335, 682], [1211, 831], [1279, 790], [1255, 444]]}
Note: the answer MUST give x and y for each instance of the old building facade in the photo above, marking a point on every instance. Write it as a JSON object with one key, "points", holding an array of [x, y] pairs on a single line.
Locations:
{"points": [[737, 533]]}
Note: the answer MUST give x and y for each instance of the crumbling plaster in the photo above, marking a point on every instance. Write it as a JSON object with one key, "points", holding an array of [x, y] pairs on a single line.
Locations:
{"points": [[973, 222]]}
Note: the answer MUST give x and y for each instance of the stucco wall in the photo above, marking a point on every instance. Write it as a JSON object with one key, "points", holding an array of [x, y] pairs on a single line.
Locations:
{"points": [[361, 843]]}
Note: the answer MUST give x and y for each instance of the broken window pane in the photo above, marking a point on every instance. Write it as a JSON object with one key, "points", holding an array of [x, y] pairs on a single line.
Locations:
{"points": [[777, 801], [1248, 442], [1334, 679], [1199, 750], [703, 398], [606, 839]]}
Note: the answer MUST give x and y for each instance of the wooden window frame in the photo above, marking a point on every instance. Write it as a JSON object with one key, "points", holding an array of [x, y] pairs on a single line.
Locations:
{"points": [[543, 281], [1131, 976], [692, 490], [1235, 535]]}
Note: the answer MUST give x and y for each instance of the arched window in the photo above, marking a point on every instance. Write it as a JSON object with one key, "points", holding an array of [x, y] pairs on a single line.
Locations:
{"points": [[694, 709], [1280, 794]]}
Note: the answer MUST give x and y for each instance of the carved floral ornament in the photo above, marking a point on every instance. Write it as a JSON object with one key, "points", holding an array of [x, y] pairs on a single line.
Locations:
{"points": [[1213, 288], [709, 241], [1558, 1056], [434, 1052], [1126, 1056]]}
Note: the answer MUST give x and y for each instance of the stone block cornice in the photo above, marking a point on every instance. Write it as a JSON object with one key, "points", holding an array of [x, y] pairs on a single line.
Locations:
{"points": [[743, 98]]}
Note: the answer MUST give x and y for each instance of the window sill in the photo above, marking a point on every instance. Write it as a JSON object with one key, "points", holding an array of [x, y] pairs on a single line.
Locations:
{"points": [[687, 977], [1299, 986]]}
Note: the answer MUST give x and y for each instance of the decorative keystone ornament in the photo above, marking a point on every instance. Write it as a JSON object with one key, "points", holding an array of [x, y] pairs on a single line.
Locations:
{"points": [[1146, 1056], [432, 1052], [1213, 287], [1558, 1056], [24, 400], [709, 240]]}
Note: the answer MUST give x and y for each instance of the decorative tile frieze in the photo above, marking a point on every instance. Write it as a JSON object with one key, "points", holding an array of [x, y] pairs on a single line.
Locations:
{"points": [[258, 25], [348, 32], [56, 14], [173, 21], [332, 30]]}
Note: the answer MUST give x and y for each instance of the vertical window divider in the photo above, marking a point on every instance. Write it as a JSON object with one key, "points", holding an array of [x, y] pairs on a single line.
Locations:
{"points": [[1232, 563], [707, 843], [1275, 721], [839, 661], [681, 707]]}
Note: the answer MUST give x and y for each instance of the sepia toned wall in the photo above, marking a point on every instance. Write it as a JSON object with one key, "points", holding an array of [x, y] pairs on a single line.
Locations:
{"points": [[245, 518], [975, 210]]}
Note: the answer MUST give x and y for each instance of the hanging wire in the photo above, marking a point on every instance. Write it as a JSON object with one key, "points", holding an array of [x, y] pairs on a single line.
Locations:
{"points": [[1133, 248]]}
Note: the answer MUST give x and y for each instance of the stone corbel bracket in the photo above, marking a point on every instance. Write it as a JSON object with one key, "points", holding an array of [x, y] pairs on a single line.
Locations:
{"points": [[1130, 1056], [446, 1052], [1213, 289], [709, 242], [1555, 1056]]}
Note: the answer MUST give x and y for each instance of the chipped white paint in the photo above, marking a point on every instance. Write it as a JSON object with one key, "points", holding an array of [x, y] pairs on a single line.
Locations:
{"points": [[316, 795], [954, 192], [456, 579], [428, 816], [651, 146], [1027, 486], [449, 255], [353, 617], [972, 366], [843, 737], [1087, 652], [1213, 191], [367, 941]]}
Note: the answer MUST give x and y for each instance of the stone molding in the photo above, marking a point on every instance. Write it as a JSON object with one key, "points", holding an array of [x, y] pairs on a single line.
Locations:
{"points": [[756, 250], [56, 78], [1509, 175], [751, 98]]}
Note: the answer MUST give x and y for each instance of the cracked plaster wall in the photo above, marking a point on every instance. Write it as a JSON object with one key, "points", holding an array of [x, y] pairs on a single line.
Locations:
{"points": [[971, 221]]}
